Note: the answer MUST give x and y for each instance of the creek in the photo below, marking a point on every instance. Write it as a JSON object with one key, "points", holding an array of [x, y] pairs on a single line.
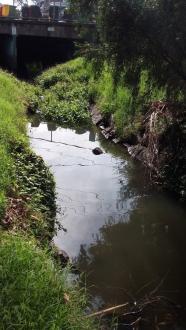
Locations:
{"points": [[119, 230]]}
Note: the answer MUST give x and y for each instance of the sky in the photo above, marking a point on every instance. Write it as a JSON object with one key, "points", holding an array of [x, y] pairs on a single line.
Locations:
{"points": [[7, 2], [10, 2]]}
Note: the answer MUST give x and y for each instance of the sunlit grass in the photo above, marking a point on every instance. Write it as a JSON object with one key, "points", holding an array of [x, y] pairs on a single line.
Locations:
{"points": [[12, 129], [32, 287], [32, 290], [64, 91]]}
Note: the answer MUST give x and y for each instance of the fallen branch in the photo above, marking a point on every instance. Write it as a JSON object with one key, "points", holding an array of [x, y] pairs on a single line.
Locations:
{"points": [[107, 311], [136, 322]]}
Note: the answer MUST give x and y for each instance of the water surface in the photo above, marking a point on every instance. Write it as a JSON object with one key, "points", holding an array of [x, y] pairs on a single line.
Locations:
{"points": [[127, 237]]}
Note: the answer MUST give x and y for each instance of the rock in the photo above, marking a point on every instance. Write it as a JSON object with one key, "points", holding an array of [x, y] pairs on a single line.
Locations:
{"points": [[63, 257], [137, 152], [108, 129], [116, 140], [134, 151], [108, 133], [97, 151], [97, 118]]}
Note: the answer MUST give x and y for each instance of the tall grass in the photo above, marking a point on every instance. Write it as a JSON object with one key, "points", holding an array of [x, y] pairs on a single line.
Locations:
{"points": [[32, 287], [33, 291], [12, 129], [69, 88], [64, 93], [121, 100]]}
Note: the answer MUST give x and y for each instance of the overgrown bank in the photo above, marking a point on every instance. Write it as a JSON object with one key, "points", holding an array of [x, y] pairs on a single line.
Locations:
{"points": [[27, 188], [34, 292], [145, 118]]}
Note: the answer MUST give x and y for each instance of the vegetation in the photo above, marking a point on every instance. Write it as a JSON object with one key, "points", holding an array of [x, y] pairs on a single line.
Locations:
{"points": [[140, 35], [63, 94], [12, 129], [34, 292], [119, 100], [143, 45], [24, 177]]}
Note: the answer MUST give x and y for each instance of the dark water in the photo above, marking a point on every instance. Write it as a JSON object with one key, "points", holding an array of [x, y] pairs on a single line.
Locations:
{"points": [[128, 238]]}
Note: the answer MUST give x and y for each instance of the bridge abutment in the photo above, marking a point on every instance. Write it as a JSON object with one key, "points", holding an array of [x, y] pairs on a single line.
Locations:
{"points": [[8, 52], [12, 53], [25, 42]]}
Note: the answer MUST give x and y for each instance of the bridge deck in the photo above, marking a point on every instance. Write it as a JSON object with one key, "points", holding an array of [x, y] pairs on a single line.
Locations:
{"points": [[42, 28]]}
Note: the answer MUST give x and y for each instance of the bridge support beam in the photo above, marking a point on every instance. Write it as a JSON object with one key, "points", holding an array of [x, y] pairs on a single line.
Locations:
{"points": [[11, 51], [8, 50]]}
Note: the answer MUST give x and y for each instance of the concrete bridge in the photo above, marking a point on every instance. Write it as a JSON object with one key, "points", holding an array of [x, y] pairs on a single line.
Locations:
{"points": [[39, 39]]}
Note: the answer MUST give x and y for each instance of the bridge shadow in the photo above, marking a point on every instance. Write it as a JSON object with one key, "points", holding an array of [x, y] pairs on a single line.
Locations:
{"points": [[34, 54], [37, 53]]}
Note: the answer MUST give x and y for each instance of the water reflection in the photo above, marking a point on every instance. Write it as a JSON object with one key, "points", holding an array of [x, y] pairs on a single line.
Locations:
{"points": [[129, 259], [122, 233]]}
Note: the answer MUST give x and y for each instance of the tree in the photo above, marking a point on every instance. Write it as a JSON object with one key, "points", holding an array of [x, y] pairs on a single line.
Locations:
{"points": [[141, 34]]}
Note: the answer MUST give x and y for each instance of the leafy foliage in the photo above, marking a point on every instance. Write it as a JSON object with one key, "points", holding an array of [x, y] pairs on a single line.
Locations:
{"points": [[141, 35], [64, 93], [34, 179]]}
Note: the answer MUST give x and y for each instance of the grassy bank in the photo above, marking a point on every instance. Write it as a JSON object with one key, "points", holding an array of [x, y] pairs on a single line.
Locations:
{"points": [[62, 93], [27, 187], [34, 293], [141, 112]]}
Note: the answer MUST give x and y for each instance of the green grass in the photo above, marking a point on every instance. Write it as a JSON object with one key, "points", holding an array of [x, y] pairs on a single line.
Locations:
{"points": [[12, 129], [22, 173], [64, 93], [32, 290], [32, 287], [68, 89], [121, 101]]}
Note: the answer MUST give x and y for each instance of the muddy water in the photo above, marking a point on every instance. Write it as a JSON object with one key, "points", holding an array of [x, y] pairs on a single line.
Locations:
{"points": [[126, 237]]}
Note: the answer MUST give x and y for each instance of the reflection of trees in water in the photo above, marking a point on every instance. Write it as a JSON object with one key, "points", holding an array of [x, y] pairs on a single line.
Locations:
{"points": [[133, 171], [80, 130], [126, 256]]}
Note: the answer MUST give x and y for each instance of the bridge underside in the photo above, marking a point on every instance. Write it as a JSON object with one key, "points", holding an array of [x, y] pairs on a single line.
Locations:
{"points": [[24, 42], [23, 52]]}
